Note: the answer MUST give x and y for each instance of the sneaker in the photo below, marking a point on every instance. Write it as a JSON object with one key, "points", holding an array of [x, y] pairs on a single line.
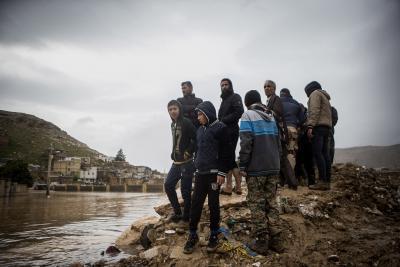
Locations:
{"points": [[191, 244], [223, 192], [212, 243], [320, 186]]}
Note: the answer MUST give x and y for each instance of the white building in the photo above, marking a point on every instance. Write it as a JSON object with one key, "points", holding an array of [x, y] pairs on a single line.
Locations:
{"points": [[89, 175]]}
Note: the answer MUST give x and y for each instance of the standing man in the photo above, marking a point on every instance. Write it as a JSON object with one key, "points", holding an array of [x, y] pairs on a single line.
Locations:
{"points": [[274, 104], [229, 113], [212, 158], [189, 102], [183, 148], [319, 125], [259, 162], [294, 117]]}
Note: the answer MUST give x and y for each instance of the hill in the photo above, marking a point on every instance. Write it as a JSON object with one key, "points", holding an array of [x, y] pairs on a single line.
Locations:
{"points": [[24, 136], [370, 156]]}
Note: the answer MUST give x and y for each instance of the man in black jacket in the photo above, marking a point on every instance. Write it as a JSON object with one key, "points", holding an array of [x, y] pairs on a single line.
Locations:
{"points": [[274, 104], [189, 102], [211, 161], [229, 113], [183, 148]]}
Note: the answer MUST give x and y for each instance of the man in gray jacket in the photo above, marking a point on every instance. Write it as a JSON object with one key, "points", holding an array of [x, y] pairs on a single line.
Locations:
{"points": [[259, 162], [319, 124]]}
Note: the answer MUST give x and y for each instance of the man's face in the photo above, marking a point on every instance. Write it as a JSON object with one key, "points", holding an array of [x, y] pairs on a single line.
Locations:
{"points": [[186, 90], [173, 112], [225, 86], [202, 118], [269, 89]]}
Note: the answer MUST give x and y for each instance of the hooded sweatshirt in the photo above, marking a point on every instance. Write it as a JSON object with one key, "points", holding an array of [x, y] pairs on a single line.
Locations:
{"points": [[212, 154], [183, 138], [231, 109], [189, 104], [259, 142], [319, 109]]}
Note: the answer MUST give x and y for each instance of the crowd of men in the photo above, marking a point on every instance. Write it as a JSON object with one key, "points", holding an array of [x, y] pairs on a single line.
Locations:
{"points": [[280, 143]]}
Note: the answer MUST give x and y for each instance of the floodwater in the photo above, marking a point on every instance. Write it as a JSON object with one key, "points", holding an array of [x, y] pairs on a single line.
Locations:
{"points": [[67, 227]]}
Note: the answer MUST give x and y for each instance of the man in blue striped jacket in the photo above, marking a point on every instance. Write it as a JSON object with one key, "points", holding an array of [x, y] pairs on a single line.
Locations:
{"points": [[259, 163]]}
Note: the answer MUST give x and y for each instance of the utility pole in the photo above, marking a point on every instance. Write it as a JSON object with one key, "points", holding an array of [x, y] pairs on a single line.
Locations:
{"points": [[49, 170]]}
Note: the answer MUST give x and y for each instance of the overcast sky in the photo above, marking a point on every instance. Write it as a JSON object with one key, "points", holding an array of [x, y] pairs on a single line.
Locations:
{"points": [[104, 70]]}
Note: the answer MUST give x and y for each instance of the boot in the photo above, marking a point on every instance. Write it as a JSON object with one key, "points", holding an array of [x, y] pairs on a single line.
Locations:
{"points": [[320, 186]]}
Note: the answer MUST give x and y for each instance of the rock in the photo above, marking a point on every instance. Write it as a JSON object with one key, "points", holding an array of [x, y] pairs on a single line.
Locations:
{"points": [[180, 231], [112, 251], [150, 253], [333, 258], [132, 235], [170, 232], [339, 226], [256, 264], [374, 211], [310, 210]]}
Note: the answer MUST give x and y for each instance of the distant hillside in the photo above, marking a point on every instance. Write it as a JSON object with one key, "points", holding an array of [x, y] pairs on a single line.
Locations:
{"points": [[24, 136], [370, 156]]}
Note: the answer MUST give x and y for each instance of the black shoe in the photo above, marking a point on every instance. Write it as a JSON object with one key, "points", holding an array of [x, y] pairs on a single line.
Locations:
{"points": [[320, 186], [175, 217], [212, 243], [190, 244]]}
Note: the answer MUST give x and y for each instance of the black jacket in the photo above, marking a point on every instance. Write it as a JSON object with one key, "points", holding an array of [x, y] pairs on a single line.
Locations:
{"points": [[189, 104], [183, 138], [231, 110], [212, 154]]}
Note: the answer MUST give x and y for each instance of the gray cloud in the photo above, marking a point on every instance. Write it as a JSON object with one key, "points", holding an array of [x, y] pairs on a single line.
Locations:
{"points": [[113, 65]]}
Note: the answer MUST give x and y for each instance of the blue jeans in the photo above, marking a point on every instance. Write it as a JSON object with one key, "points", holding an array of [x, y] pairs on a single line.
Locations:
{"points": [[183, 172]]}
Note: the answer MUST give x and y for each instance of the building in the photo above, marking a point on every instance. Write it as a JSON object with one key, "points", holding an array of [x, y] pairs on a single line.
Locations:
{"points": [[70, 166], [88, 175], [142, 172]]}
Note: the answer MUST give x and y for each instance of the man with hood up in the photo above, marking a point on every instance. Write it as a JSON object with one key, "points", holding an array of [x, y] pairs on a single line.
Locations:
{"points": [[229, 113], [183, 148], [319, 124], [189, 102], [259, 161], [212, 165]]}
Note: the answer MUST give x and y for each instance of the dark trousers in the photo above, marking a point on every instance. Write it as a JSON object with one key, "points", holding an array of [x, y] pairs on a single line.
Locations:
{"points": [[304, 160], [286, 172], [205, 184], [320, 146], [183, 172], [331, 147]]}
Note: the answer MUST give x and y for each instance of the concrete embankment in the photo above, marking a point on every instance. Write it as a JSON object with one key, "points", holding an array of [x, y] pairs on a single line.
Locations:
{"points": [[142, 188]]}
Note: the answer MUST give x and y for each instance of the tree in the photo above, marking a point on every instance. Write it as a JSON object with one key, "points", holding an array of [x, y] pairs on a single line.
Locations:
{"points": [[17, 171], [120, 155]]}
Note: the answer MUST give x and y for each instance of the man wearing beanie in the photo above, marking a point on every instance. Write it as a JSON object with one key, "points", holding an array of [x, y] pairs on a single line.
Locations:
{"points": [[274, 104], [319, 124], [259, 162], [229, 113]]}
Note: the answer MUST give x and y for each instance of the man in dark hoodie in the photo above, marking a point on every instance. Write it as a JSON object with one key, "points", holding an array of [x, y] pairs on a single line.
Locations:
{"points": [[274, 104], [189, 102], [183, 148], [319, 124], [212, 164], [229, 113], [259, 161]]}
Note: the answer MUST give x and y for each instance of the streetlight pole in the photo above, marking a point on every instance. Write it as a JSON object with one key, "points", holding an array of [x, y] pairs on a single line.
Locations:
{"points": [[48, 170]]}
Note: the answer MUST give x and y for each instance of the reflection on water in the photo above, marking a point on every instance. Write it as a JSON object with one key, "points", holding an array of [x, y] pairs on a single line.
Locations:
{"points": [[67, 227]]}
